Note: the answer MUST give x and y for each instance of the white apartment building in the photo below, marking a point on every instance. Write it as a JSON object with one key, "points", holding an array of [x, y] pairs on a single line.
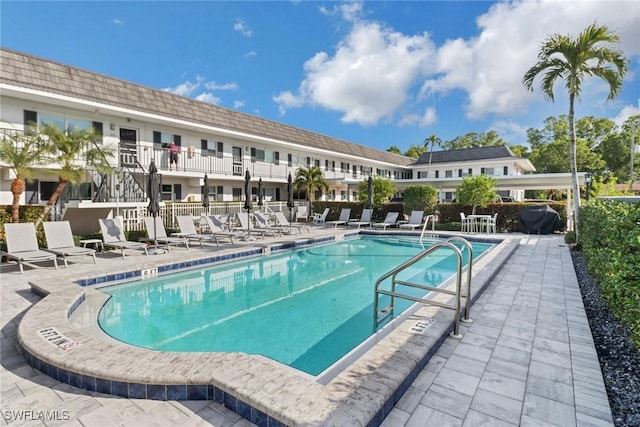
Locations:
{"points": [[138, 123]]}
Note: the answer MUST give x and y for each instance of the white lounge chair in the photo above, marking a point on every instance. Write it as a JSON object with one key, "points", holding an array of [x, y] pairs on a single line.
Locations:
{"points": [[22, 245], [345, 213], [60, 241], [215, 227], [246, 226], [320, 218], [262, 223], [282, 221], [154, 224], [302, 213], [415, 220], [389, 221], [365, 219], [113, 236], [188, 231]]}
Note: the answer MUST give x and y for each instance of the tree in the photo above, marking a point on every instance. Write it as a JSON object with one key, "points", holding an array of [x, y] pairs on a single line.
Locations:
{"points": [[21, 152], [415, 151], [310, 179], [573, 60], [394, 149], [74, 151], [474, 139], [477, 190], [420, 198], [430, 142], [383, 189]]}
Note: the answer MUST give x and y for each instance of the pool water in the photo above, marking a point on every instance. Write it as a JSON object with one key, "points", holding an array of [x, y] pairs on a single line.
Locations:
{"points": [[305, 308]]}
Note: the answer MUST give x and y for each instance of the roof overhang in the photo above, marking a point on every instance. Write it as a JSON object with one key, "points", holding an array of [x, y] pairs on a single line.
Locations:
{"points": [[539, 181]]}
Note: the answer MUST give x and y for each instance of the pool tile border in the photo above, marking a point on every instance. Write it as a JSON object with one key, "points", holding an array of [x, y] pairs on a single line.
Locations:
{"points": [[209, 391]]}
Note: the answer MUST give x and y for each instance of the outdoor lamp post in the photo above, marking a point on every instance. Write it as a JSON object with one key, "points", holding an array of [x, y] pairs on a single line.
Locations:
{"points": [[587, 180]]}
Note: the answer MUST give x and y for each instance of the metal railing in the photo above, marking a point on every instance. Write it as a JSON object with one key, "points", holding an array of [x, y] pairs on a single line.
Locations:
{"points": [[387, 312]]}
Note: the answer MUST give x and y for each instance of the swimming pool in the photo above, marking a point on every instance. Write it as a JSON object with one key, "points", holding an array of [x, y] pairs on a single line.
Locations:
{"points": [[305, 308]]}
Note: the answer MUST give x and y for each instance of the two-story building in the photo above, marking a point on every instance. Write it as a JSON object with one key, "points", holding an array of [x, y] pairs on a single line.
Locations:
{"points": [[138, 123]]}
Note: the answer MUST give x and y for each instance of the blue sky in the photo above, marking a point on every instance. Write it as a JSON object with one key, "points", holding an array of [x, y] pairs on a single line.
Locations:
{"points": [[376, 73]]}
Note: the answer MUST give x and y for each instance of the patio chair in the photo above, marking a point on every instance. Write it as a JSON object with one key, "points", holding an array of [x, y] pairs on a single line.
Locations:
{"points": [[489, 223], [389, 221], [262, 223], [467, 225], [60, 241], [320, 218], [302, 213], [246, 225], [188, 231], [113, 236], [154, 224], [22, 245], [215, 227], [345, 213], [365, 219], [282, 221], [415, 220]]}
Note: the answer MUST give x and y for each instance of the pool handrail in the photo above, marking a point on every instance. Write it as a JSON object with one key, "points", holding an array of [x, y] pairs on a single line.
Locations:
{"points": [[467, 306], [377, 316]]}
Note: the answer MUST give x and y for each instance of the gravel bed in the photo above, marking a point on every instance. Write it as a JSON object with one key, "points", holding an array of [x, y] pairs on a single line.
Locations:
{"points": [[619, 356]]}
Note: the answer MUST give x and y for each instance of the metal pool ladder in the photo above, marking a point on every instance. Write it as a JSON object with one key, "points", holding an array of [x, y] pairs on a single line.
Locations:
{"points": [[382, 315]]}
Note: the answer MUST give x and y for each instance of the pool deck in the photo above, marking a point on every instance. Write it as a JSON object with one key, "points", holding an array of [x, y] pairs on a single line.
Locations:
{"points": [[527, 359]]}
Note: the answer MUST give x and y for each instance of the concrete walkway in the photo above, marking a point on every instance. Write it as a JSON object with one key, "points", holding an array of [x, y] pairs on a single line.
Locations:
{"points": [[527, 359]]}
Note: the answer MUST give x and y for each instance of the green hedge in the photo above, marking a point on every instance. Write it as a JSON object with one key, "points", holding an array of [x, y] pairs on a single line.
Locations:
{"points": [[610, 241], [356, 209], [507, 213]]}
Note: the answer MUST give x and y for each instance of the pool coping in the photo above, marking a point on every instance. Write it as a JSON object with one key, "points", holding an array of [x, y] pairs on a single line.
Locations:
{"points": [[259, 389]]}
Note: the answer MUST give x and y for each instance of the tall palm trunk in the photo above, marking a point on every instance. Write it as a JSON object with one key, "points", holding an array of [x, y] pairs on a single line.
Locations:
{"points": [[52, 201], [17, 188], [574, 167]]}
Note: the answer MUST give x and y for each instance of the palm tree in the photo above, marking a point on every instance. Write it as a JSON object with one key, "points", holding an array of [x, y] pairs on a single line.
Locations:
{"points": [[311, 179], [21, 152], [431, 141], [74, 151], [574, 60]]}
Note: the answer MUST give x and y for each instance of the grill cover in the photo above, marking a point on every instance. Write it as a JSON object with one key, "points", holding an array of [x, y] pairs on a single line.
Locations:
{"points": [[539, 219]]}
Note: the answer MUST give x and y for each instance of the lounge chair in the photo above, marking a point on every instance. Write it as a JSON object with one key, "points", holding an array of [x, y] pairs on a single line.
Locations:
{"points": [[365, 219], [282, 221], [188, 231], [154, 224], [320, 218], [415, 221], [345, 213], [215, 227], [60, 241], [389, 221], [262, 223], [113, 236], [22, 245], [246, 226], [302, 213]]}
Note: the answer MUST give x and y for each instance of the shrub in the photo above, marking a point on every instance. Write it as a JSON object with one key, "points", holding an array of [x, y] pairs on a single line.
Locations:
{"points": [[610, 238], [420, 198], [570, 237]]}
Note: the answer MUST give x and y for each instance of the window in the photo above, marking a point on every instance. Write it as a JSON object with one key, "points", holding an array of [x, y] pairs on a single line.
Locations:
{"points": [[316, 162], [264, 156], [65, 124], [470, 172], [163, 139], [208, 147], [437, 174], [448, 174], [460, 173], [448, 196], [505, 170], [486, 171], [237, 194], [343, 195], [344, 167], [333, 166]]}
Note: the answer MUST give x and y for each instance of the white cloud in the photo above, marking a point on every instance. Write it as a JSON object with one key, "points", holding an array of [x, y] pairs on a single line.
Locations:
{"points": [[490, 67], [209, 97], [428, 118], [511, 132], [369, 76], [184, 89], [242, 28], [225, 86], [239, 104], [251, 54], [626, 112], [117, 21]]}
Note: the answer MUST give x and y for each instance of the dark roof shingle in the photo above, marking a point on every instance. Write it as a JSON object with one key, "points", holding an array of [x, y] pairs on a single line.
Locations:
{"points": [[466, 154]]}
